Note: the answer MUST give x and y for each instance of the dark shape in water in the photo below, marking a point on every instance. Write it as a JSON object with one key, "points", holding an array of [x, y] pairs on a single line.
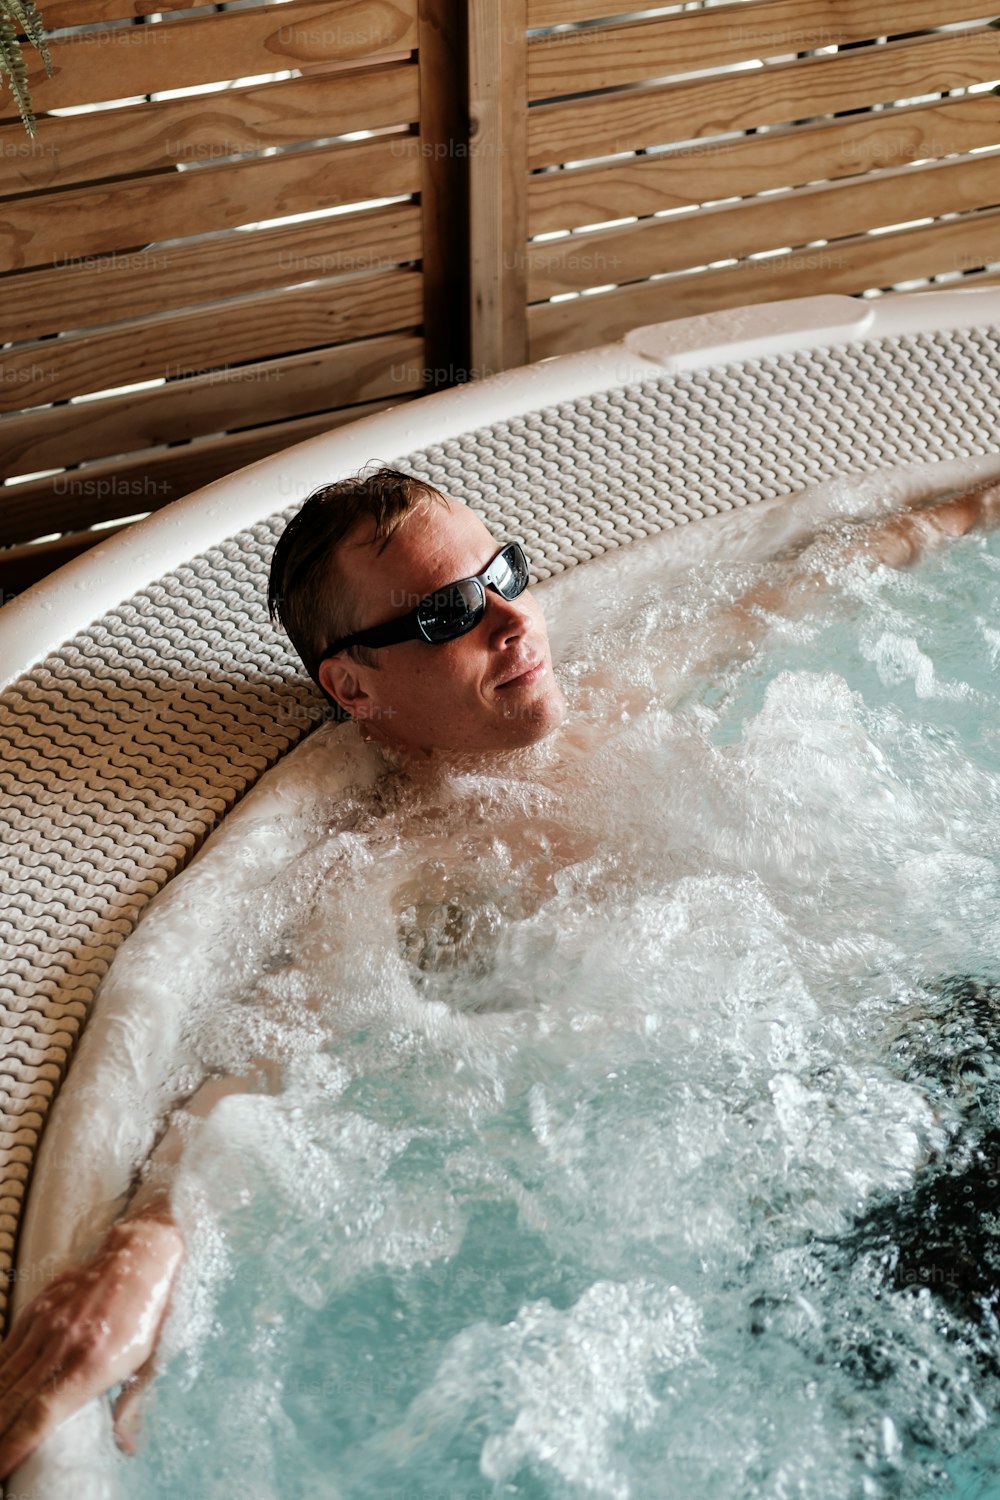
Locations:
{"points": [[944, 1234]]}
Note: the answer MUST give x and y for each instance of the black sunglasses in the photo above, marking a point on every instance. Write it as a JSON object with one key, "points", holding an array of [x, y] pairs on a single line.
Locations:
{"points": [[451, 611]]}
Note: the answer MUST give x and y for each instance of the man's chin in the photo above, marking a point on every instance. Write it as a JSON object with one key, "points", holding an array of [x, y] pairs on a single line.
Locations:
{"points": [[518, 724], [525, 724]]}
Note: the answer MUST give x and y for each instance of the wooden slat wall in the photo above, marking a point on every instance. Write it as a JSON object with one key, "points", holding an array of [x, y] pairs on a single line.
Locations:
{"points": [[621, 170], [676, 164], [138, 244]]}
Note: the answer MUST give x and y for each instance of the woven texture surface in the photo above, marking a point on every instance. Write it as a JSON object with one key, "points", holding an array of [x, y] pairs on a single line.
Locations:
{"points": [[125, 748]]}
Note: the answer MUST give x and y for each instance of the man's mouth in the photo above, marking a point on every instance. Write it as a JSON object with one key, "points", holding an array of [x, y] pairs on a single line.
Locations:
{"points": [[523, 675]]}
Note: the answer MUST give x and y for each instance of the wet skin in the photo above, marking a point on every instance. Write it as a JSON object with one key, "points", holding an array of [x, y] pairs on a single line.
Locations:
{"points": [[490, 690]]}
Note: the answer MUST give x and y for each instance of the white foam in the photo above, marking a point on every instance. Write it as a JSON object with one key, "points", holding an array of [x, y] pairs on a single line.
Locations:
{"points": [[635, 988]]}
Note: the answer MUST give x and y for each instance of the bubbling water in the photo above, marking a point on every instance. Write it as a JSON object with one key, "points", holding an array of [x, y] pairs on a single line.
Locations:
{"points": [[614, 1074]]}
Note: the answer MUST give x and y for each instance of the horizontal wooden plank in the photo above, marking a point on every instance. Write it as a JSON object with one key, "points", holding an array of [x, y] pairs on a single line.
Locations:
{"points": [[108, 492], [60, 13], [967, 279], [20, 567], [562, 12], [850, 266], [89, 291], [221, 401], [654, 246], [758, 163], [277, 323], [772, 95], [175, 132], [626, 51], [542, 13], [120, 62], [127, 216]]}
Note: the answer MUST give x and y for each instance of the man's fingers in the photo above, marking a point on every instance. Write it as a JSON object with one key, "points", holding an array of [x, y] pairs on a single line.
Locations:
{"points": [[955, 517], [17, 1354], [960, 513], [18, 1442], [911, 534], [128, 1409], [90, 1329], [55, 1375], [20, 1348], [989, 504], [40, 1401]]}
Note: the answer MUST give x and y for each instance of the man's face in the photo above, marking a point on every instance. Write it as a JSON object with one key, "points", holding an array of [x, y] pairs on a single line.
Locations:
{"points": [[490, 689]]}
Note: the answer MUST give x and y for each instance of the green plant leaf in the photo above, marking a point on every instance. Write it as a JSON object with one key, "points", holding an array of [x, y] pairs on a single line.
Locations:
{"points": [[21, 18]]}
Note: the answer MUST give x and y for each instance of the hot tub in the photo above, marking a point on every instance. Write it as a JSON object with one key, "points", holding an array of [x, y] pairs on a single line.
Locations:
{"points": [[141, 711]]}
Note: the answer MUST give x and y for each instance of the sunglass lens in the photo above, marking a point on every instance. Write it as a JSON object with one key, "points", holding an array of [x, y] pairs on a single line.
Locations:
{"points": [[510, 576], [452, 611]]}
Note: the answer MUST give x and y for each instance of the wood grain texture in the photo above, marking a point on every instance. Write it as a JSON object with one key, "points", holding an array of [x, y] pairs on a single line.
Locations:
{"points": [[498, 183], [561, 12], [850, 266], [788, 157], [93, 290], [120, 62], [812, 12], [128, 216], [655, 246], [228, 334], [60, 13], [107, 492], [136, 214], [151, 137], [624, 52], [222, 401], [771, 95]]}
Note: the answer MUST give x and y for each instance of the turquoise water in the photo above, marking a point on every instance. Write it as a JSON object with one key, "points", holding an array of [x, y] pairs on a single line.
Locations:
{"points": [[609, 1081]]}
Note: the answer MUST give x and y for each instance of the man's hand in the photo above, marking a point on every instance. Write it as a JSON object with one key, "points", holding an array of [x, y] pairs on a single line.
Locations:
{"points": [[93, 1326], [98, 1324], [906, 537], [732, 632]]}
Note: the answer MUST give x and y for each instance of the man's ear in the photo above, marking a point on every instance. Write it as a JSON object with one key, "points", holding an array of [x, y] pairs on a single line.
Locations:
{"points": [[338, 676]]}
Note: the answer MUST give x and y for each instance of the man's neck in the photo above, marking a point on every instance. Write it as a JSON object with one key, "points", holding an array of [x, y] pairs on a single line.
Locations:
{"points": [[428, 766]]}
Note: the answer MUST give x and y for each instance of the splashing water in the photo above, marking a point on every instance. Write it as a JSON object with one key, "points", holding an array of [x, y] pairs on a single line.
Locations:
{"points": [[639, 1120]]}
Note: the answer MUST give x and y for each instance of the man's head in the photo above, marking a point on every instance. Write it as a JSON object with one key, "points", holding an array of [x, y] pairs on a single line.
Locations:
{"points": [[364, 552]]}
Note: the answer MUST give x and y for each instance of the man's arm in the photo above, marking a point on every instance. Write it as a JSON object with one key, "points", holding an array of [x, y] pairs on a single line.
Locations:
{"points": [[901, 540], [91, 1327], [99, 1323], [905, 538], [730, 633]]}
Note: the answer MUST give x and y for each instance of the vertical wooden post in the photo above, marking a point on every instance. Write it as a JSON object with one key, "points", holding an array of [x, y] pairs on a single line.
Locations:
{"points": [[444, 194], [498, 92], [444, 191]]}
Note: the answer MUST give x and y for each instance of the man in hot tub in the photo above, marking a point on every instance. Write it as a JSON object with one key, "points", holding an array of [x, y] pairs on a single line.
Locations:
{"points": [[419, 625]]}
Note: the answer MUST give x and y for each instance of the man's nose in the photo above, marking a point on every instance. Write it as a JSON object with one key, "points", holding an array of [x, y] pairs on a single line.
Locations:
{"points": [[507, 618]]}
